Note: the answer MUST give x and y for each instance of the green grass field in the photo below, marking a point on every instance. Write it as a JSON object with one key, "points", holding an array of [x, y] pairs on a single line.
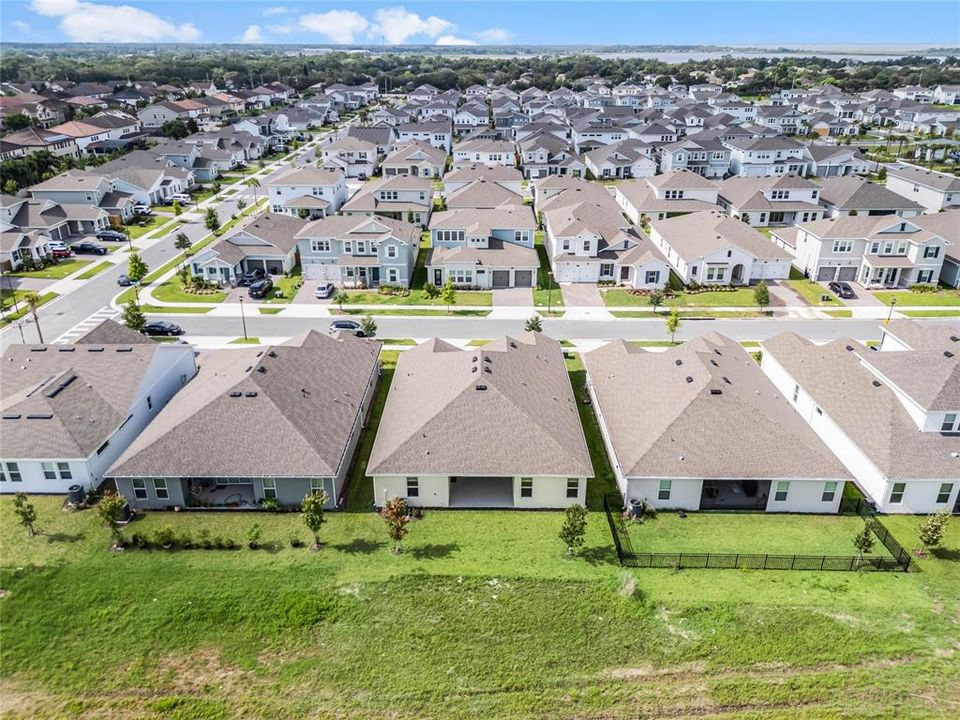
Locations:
{"points": [[478, 298], [812, 292], [55, 272], [94, 270], [172, 291], [742, 297], [482, 616], [917, 299]]}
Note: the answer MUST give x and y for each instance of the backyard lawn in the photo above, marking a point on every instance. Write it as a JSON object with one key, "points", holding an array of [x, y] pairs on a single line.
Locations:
{"points": [[55, 272], [907, 298], [741, 297]]}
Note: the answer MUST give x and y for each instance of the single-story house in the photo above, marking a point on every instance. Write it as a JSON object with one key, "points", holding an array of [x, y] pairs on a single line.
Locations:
{"points": [[268, 242]]}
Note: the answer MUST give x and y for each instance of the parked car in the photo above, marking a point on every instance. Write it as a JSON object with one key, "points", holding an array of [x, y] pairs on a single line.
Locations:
{"points": [[841, 289], [60, 251], [162, 327], [110, 235], [260, 288], [324, 290], [347, 326], [252, 276], [88, 248], [123, 280], [181, 198], [143, 210]]}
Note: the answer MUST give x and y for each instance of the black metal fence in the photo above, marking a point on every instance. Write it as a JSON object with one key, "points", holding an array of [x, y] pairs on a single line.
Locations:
{"points": [[612, 504]]}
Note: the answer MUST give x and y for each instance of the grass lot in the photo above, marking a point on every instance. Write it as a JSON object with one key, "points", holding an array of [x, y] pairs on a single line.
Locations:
{"points": [[271, 310], [480, 617], [175, 309], [94, 271], [723, 532], [811, 291], [741, 297], [7, 301], [931, 313], [689, 314], [839, 313], [245, 341], [287, 285], [172, 291], [150, 224], [410, 311], [916, 299], [541, 296], [416, 297], [55, 272]]}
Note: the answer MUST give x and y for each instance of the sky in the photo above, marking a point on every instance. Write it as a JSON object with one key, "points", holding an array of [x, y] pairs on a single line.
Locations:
{"points": [[455, 22]]}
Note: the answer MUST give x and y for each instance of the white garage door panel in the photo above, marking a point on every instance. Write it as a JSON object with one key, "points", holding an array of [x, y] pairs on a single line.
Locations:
{"points": [[826, 274], [321, 272]]}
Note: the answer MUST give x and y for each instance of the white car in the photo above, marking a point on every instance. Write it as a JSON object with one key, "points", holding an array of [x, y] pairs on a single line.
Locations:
{"points": [[181, 198], [142, 210]]}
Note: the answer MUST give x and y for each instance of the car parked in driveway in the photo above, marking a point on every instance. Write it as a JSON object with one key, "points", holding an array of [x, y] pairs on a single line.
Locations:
{"points": [[841, 289], [323, 291], [252, 276], [347, 326], [59, 249], [88, 248], [110, 235], [162, 327], [260, 288], [143, 210], [181, 198]]}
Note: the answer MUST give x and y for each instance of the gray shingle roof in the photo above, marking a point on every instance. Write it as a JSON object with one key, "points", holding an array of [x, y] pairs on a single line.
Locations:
{"points": [[856, 193]]}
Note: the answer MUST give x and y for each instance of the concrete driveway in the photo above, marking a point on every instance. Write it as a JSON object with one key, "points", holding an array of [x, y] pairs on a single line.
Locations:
{"points": [[581, 295], [513, 297], [305, 294], [864, 297]]}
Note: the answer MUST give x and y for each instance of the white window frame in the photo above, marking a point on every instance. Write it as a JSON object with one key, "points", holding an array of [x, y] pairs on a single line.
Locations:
{"points": [[391, 251], [526, 487], [781, 491], [139, 486], [319, 246], [949, 423], [413, 487], [897, 493], [269, 488], [49, 471], [664, 489], [64, 471], [316, 486], [944, 493], [160, 489], [573, 486], [829, 489]]}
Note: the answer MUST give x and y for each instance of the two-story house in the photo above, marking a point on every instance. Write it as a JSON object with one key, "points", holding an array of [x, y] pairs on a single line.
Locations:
{"points": [[663, 196], [439, 134], [401, 197], [80, 188], [854, 195], [764, 201], [307, 192], [484, 152], [267, 243], [622, 160], [353, 156], [934, 190], [765, 156], [704, 156], [359, 251], [415, 158]]}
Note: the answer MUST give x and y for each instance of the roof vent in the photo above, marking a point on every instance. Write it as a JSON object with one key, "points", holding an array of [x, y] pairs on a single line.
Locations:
{"points": [[678, 362], [481, 387], [717, 352], [66, 349], [125, 349], [689, 378], [38, 349], [236, 393], [713, 362], [877, 383], [40, 416], [261, 369], [473, 369], [306, 393], [98, 349], [716, 391], [54, 391], [473, 359], [849, 348], [11, 416], [252, 393], [727, 380], [947, 353], [513, 344], [488, 370], [486, 359], [272, 354], [955, 338]]}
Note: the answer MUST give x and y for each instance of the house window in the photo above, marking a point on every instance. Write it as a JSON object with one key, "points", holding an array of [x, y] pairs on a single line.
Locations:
{"points": [[391, 251], [316, 486], [10, 471], [796, 392], [663, 492], [944, 495], [518, 236], [783, 487], [319, 246], [392, 275], [653, 277], [160, 489], [949, 420], [413, 487], [526, 487], [270, 488], [140, 489], [49, 472], [64, 470], [829, 491], [566, 243], [896, 494], [149, 402], [715, 272], [874, 248], [573, 488], [348, 247], [842, 246], [931, 251], [586, 246]]}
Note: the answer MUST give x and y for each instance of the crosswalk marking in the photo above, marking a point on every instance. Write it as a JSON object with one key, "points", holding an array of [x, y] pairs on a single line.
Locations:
{"points": [[82, 328]]}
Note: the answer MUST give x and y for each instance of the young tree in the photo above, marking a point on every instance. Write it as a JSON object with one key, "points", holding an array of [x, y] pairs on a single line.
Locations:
{"points": [[10, 187], [110, 509], [882, 173], [932, 528], [313, 518], [137, 269], [253, 184], [241, 204], [26, 512], [574, 527], [32, 299], [254, 533], [863, 542], [211, 220], [534, 324], [181, 242], [216, 186], [340, 298], [673, 322], [448, 294], [369, 326], [761, 295], [394, 512], [177, 208], [133, 316], [656, 298]]}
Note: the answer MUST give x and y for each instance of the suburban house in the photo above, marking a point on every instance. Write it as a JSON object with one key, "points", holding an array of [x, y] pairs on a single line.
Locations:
{"points": [[588, 240], [17, 247], [887, 251], [525, 446], [147, 179], [483, 248], [402, 197], [662, 196], [947, 226], [858, 196], [763, 201], [700, 427], [49, 218], [483, 193], [705, 156], [545, 154], [507, 176], [484, 152], [307, 191], [764, 156], [620, 161], [830, 161], [267, 243], [69, 411], [383, 136], [352, 155], [934, 190], [359, 251], [86, 189], [891, 416], [32, 139], [256, 424], [712, 248], [439, 134], [416, 158]]}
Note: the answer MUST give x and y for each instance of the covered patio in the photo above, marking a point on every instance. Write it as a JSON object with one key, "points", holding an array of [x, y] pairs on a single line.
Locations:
{"points": [[884, 271], [734, 494], [481, 492], [224, 493]]}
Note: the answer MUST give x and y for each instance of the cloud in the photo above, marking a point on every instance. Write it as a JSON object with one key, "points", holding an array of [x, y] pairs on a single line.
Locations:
{"points": [[270, 11], [396, 25], [341, 26], [93, 22], [252, 34], [280, 29], [454, 40], [494, 35], [21, 26]]}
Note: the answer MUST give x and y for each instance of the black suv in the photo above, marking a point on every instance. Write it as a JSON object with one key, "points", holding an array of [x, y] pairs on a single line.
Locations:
{"points": [[162, 327], [260, 288], [88, 248], [841, 289], [111, 235], [252, 276]]}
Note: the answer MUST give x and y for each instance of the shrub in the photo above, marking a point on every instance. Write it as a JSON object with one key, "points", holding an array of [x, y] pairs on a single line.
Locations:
{"points": [[186, 539], [430, 291], [165, 536], [271, 504], [140, 541], [923, 288], [253, 536], [295, 542], [203, 539]]}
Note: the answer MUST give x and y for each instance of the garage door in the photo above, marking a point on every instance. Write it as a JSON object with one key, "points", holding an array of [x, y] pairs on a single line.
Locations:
{"points": [[523, 278], [848, 273], [274, 267], [574, 272], [826, 274], [501, 278]]}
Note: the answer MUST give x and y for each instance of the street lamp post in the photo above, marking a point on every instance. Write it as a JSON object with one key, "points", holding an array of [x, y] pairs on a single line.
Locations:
{"points": [[549, 292], [243, 320], [13, 294], [893, 302]]}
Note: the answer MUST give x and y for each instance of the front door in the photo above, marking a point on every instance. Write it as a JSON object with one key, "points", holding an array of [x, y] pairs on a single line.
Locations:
{"points": [[437, 277], [625, 272]]}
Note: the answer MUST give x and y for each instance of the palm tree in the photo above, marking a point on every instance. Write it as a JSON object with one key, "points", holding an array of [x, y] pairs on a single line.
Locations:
{"points": [[253, 183], [33, 301]]}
